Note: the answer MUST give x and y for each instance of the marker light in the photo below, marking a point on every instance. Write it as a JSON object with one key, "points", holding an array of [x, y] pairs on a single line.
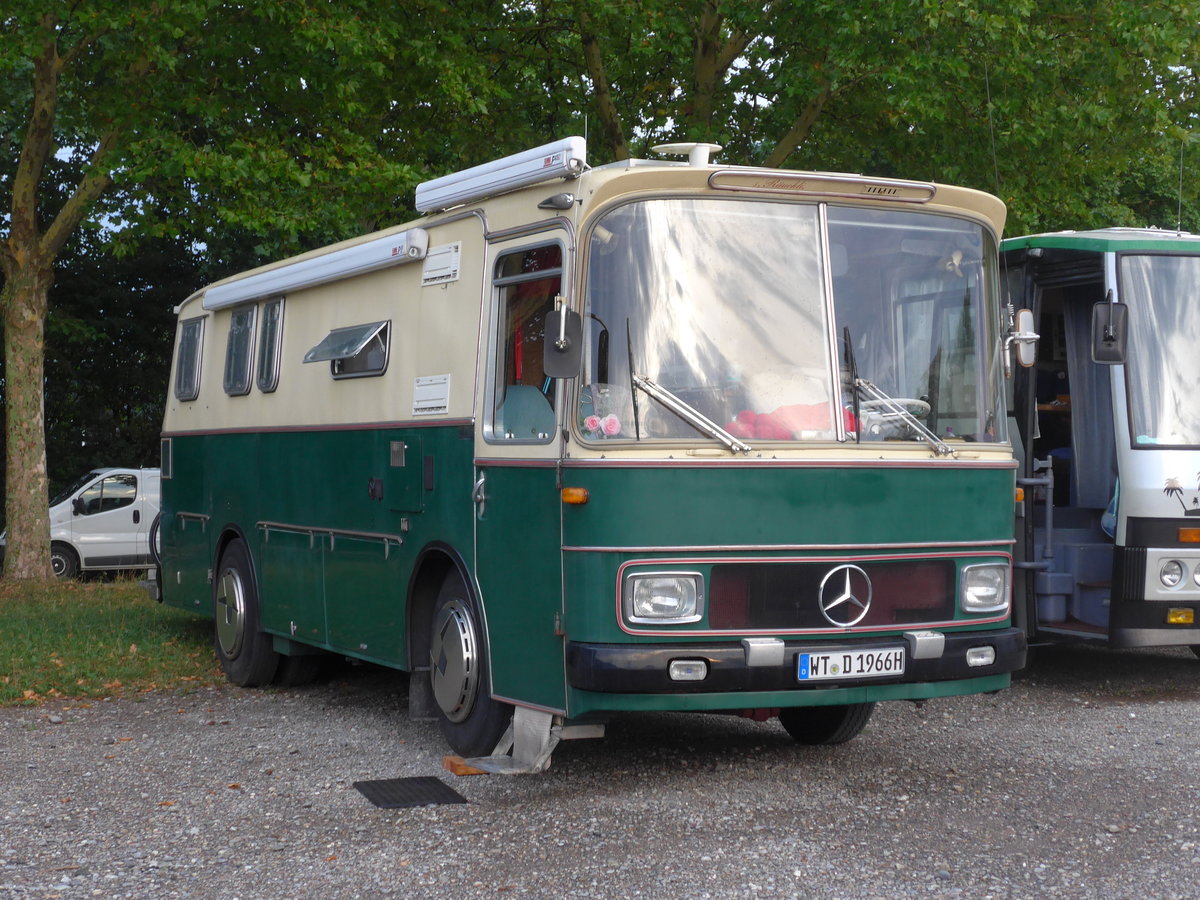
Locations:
{"points": [[981, 656], [1189, 535], [1171, 573], [1181, 617], [688, 670], [575, 496]]}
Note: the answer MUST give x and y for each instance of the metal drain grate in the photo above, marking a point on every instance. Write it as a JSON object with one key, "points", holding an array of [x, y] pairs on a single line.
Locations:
{"points": [[401, 793]]}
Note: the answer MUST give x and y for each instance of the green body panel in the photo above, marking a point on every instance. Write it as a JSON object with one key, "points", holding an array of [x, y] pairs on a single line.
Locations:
{"points": [[585, 703], [333, 527], [335, 558], [767, 513], [518, 569], [782, 505]]}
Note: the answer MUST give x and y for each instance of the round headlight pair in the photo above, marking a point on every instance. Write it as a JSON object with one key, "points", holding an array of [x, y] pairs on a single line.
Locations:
{"points": [[1172, 573]]}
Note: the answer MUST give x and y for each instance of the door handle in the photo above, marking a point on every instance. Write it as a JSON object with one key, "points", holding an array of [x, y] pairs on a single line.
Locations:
{"points": [[479, 494], [137, 516]]}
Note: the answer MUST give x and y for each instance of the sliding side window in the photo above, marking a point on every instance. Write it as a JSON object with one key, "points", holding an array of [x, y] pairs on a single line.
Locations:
{"points": [[187, 359], [238, 351], [270, 338]]}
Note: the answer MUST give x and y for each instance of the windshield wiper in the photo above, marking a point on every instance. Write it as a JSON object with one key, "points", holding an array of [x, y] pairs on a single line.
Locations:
{"points": [[895, 409], [689, 414]]}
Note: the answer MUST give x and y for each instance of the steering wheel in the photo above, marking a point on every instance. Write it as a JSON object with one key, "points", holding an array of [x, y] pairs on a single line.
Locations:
{"points": [[886, 408]]}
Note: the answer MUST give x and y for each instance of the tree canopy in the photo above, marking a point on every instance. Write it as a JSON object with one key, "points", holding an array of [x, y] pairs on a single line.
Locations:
{"points": [[174, 142]]}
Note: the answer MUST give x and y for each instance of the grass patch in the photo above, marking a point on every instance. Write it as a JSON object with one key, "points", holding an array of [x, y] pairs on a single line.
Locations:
{"points": [[93, 639]]}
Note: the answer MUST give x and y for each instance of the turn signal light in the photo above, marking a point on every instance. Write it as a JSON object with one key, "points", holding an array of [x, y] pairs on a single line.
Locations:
{"points": [[575, 496], [1189, 535], [1181, 616], [1020, 495]]}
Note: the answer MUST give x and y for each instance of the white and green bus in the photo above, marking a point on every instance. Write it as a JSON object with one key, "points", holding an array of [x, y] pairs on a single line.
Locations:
{"points": [[1109, 543], [654, 435]]}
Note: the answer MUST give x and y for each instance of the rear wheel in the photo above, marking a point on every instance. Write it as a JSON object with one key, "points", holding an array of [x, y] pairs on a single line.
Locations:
{"points": [[826, 724], [64, 561], [244, 650], [471, 720]]}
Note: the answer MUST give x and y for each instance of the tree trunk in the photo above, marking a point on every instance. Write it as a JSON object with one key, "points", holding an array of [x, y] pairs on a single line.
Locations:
{"points": [[26, 291]]}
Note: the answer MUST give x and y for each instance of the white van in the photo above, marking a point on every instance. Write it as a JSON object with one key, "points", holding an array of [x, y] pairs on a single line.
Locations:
{"points": [[104, 521]]}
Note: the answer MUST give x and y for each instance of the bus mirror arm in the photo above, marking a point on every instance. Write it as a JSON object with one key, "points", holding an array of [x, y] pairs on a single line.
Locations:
{"points": [[563, 348], [1024, 338]]}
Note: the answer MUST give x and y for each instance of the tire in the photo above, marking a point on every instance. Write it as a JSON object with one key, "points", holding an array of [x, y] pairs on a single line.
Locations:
{"points": [[64, 561], [156, 540], [472, 722], [243, 649], [826, 724]]}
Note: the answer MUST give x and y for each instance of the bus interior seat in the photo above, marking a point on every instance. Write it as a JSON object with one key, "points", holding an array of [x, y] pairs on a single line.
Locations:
{"points": [[524, 413]]}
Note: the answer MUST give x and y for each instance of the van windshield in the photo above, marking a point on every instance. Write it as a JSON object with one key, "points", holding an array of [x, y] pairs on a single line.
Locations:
{"points": [[76, 486], [1164, 332], [787, 322]]}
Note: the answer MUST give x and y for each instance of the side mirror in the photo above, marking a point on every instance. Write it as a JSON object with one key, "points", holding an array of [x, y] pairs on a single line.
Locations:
{"points": [[563, 349], [77, 506], [1024, 338], [1110, 332]]}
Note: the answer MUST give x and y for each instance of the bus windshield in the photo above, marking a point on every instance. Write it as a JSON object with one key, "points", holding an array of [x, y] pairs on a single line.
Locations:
{"points": [[742, 321], [1164, 332]]}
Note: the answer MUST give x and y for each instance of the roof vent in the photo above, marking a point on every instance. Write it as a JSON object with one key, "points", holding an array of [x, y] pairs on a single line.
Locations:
{"points": [[697, 154]]}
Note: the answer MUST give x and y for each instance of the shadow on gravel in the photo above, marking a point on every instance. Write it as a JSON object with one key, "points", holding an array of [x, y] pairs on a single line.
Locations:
{"points": [[1114, 675]]}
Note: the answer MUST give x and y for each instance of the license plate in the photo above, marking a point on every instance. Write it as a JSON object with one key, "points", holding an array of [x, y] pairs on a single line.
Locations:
{"points": [[879, 662]]}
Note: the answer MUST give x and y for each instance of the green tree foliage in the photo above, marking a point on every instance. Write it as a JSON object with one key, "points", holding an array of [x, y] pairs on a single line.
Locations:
{"points": [[1073, 113], [230, 132], [279, 119]]}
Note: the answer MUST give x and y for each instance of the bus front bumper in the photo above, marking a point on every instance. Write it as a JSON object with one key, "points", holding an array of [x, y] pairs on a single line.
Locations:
{"points": [[758, 665]]}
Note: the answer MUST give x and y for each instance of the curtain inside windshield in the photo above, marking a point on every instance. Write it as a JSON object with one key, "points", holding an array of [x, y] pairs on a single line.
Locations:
{"points": [[1164, 333]]}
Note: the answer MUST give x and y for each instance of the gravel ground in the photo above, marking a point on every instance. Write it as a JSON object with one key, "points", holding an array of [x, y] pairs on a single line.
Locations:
{"points": [[1080, 781]]}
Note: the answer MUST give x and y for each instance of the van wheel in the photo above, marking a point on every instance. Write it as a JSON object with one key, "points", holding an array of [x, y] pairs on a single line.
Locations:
{"points": [[243, 649], [472, 722], [156, 540], [826, 724], [64, 561]]}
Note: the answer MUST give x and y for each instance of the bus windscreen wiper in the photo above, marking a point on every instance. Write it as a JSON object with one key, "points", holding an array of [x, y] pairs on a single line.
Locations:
{"points": [[689, 414], [893, 408]]}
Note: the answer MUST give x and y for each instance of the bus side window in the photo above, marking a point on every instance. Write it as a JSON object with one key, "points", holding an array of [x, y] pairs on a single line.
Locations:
{"points": [[187, 362], [527, 283], [270, 339], [239, 349]]}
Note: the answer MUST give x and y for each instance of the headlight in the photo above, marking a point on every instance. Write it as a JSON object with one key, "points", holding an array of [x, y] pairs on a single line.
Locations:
{"points": [[664, 598], [1171, 573], [984, 588]]}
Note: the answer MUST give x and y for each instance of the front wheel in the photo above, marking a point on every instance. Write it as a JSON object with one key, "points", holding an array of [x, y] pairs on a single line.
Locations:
{"points": [[64, 561], [472, 722], [826, 724], [244, 651]]}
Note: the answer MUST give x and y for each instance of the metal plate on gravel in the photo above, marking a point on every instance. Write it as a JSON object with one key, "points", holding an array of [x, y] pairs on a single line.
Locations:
{"points": [[401, 793]]}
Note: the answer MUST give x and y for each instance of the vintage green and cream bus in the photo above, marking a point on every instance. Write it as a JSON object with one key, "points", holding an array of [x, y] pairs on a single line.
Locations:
{"points": [[1109, 544], [654, 435]]}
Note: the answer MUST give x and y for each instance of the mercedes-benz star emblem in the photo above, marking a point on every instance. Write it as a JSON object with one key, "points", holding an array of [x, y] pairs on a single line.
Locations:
{"points": [[845, 595]]}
